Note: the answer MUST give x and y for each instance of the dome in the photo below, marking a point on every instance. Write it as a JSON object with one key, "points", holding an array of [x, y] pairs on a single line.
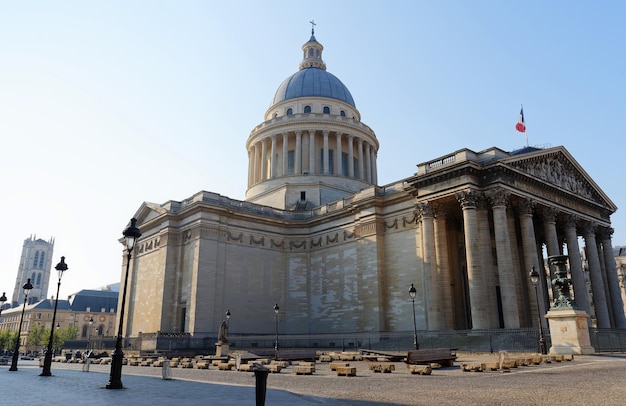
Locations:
{"points": [[312, 80]]}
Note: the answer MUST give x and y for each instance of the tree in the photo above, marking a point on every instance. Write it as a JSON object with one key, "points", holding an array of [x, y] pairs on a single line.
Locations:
{"points": [[7, 340], [65, 334], [37, 336]]}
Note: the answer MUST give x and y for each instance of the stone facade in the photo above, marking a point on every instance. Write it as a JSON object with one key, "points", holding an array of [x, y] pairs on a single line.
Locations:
{"points": [[465, 229]]}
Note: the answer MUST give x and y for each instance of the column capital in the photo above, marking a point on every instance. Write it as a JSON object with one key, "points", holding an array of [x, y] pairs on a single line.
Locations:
{"points": [[548, 213], [526, 206], [498, 197], [468, 198], [424, 209]]}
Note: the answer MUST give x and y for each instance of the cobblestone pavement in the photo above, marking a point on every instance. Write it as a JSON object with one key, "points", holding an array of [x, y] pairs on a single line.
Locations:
{"points": [[587, 380]]}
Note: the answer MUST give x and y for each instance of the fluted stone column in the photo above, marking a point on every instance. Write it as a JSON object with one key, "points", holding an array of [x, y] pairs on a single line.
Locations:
{"points": [[263, 160], [273, 166], [505, 264], [312, 153], [285, 154], [595, 273], [255, 165], [433, 294], [325, 154], [374, 168], [361, 170], [298, 154], [338, 154], [521, 277], [617, 304], [529, 248], [443, 268], [249, 168], [350, 156], [575, 265], [368, 163], [478, 303]]}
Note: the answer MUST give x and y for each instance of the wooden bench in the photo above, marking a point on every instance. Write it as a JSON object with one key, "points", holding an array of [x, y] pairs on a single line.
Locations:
{"points": [[443, 356], [346, 371], [335, 365], [386, 368], [202, 364], [420, 369], [303, 370]]}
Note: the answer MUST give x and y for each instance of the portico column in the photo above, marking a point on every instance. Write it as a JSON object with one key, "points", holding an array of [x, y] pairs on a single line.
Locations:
{"points": [[548, 215], [617, 305], [368, 163], [338, 155], [361, 171], [443, 267], [312, 151], [529, 248], [504, 260], [595, 273], [350, 156], [285, 154], [273, 166], [298, 154], [478, 303], [575, 265], [263, 160], [431, 281]]}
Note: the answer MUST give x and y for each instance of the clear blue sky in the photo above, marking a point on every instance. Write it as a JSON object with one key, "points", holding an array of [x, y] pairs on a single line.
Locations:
{"points": [[105, 105]]}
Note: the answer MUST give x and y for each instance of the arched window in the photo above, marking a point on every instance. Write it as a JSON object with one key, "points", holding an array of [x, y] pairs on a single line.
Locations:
{"points": [[289, 111], [326, 110], [36, 259], [85, 330], [41, 258], [307, 109], [342, 114], [38, 279], [100, 329]]}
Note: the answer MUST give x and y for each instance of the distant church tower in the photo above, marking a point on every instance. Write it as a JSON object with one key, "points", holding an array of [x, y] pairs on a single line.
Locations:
{"points": [[35, 263]]}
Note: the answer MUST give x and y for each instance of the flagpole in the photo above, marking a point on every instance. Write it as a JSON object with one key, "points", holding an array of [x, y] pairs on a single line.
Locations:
{"points": [[525, 129]]}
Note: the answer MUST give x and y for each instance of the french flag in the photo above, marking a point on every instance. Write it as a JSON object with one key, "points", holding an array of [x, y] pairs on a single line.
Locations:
{"points": [[520, 126]]}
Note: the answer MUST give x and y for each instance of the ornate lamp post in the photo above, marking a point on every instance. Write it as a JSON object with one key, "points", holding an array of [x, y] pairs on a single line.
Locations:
{"points": [[16, 351], [89, 334], [47, 361], [131, 233], [534, 279], [276, 308], [3, 299], [413, 293]]}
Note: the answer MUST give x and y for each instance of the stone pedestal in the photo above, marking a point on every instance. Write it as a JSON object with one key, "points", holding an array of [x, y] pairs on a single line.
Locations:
{"points": [[569, 332], [221, 349]]}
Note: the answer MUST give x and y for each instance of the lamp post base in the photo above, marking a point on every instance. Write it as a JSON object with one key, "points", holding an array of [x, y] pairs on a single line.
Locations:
{"points": [[47, 363], [115, 380], [16, 355]]}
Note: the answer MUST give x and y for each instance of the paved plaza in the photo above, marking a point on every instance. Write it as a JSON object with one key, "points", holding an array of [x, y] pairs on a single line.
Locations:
{"points": [[587, 380]]}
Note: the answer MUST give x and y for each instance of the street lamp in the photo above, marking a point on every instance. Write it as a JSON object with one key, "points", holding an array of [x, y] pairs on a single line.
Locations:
{"points": [[227, 317], [413, 293], [131, 233], [16, 351], [47, 361], [534, 279], [89, 334], [276, 308]]}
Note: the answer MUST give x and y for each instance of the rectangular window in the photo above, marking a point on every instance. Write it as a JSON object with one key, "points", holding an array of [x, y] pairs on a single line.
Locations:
{"points": [[344, 164], [291, 162], [303, 196]]}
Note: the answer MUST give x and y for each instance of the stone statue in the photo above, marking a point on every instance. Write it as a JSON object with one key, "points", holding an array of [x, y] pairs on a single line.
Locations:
{"points": [[222, 335]]}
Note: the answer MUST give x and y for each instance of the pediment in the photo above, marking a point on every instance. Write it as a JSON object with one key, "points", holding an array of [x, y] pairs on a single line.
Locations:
{"points": [[557, 167], [148, 211]]}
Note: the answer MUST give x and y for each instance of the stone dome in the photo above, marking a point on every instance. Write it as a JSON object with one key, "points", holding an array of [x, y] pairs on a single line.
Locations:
{"points": [[312, 80]]}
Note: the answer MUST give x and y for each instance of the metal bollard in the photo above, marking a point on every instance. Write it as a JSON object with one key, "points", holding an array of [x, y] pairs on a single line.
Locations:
{"points": [[260, 375], [167, 371]]}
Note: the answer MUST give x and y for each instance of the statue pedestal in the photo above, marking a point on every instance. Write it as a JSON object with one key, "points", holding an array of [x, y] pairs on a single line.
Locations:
{"points": [[221, 349], [569, 332]]}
